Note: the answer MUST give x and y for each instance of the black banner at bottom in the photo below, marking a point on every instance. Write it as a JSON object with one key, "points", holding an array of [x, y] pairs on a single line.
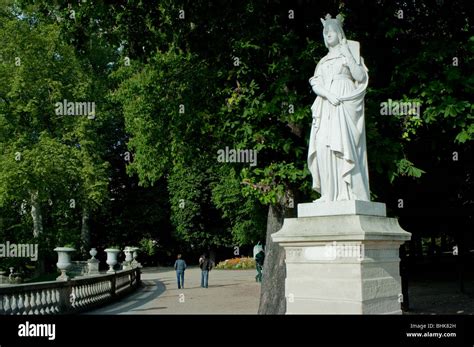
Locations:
{"points": [[236, 330]]}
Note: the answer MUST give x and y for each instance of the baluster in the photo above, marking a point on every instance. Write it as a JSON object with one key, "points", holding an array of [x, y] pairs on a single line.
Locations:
{"points": [[56, 300], [21, 305], [88, 294], [2, 310], [53, 301], [98, 292], [104, 290], [84, 295], [101, 290], [48, 301], [37, 303], [93, 293], [14, 305], [32, 303], [74, 298], [43, 302], [26, 303], [7, 306], [77, 297], [80, 290]]}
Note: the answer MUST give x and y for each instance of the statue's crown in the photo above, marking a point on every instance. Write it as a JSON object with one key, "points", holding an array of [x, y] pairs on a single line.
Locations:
{"points": [[339, 19]]}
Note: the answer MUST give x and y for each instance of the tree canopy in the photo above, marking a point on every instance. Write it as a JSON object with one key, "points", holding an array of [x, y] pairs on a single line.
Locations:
{"points": [[175, 82]]}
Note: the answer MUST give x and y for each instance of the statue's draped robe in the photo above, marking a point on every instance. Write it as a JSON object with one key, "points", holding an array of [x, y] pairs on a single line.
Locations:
{"points": [[337, 157]]}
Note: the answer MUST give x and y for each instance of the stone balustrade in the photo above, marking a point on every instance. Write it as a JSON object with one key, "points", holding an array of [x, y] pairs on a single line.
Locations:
{"points": [[65, 297]]}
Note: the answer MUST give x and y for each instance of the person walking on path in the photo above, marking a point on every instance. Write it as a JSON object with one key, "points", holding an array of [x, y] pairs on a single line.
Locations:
{"points": [[206, 265], [259, 259], [180, 266]]}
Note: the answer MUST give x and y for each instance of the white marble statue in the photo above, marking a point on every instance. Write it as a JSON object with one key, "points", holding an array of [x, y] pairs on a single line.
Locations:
{"points": [[337, 157]]}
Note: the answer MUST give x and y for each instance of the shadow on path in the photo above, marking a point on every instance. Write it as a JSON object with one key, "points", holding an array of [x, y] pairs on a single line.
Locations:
{"points": [[150, 290]]}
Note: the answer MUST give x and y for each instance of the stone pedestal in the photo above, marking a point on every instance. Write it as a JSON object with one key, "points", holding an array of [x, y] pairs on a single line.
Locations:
{"points": [[92, 267], [343, 260]]}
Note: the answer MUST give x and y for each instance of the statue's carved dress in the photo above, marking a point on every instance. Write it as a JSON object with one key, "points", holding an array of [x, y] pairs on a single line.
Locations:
{"points": [[337, 157]]}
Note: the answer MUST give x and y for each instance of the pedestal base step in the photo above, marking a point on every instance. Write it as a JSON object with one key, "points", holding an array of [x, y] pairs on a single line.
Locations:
{"points": [[336, 208]]}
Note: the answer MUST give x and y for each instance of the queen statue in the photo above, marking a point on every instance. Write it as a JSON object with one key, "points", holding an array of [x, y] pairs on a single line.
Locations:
{"points": [[337, 157]]}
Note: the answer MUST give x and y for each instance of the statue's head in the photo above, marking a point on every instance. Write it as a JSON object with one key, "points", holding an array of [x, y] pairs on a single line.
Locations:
{"points": [[332, 32]]}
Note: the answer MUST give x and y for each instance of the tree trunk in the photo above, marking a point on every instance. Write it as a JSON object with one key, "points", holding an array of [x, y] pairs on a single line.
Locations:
{"points": [[272, 297], [37, 227], [36, 214], [85, 231]]}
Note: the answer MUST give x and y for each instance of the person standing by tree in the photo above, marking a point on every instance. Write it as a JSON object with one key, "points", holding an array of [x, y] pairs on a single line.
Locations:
{"points": [[180, 267], [259, 260]]}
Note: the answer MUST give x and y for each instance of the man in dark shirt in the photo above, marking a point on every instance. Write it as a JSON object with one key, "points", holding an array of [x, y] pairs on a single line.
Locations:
{"points": [[206, 265]]}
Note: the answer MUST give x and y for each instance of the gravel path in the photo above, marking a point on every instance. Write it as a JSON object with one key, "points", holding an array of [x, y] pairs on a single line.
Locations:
{"points": [[229, 292]]}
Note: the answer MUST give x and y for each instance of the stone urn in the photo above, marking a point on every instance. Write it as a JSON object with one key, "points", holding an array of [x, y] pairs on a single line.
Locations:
{"points": [[128, 258], [93, 253], [112, 258], [64, 261], [135, 263], [128, 254]]}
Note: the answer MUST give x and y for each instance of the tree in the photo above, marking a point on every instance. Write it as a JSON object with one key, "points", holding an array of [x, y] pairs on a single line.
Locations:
{"points": [[180, 81], [44, 153]]}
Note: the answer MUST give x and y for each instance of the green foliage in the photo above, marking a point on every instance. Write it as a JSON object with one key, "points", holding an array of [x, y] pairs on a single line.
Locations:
{"points": [[195, 219], [50, 161], [245, 215], [225, 76], [406, 168], [148, 246]]}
